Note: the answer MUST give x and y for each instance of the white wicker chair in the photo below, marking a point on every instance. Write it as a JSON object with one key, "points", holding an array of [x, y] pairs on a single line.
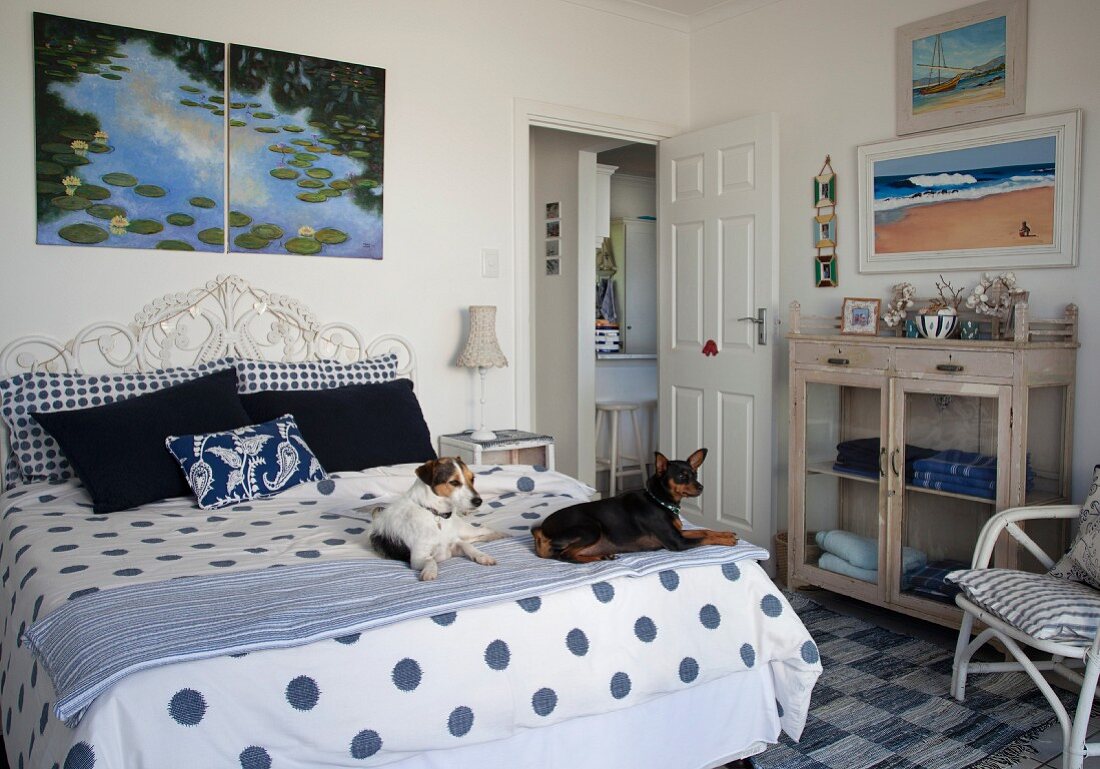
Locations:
{"points": [[1080, 663]]}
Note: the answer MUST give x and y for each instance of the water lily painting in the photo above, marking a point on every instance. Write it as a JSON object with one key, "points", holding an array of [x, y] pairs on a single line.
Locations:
{"points": [[129, 137], [305, 154]]}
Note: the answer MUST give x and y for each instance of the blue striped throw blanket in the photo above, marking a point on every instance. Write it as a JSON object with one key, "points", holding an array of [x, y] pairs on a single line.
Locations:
{"points": [[90, 643]]}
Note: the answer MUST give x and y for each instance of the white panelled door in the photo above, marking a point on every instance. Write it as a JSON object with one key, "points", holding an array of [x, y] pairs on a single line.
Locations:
{"points": [[718, 261]]}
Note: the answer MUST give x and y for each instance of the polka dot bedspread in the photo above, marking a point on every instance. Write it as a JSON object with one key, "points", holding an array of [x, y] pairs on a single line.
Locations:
{"points": [[371, 697]]}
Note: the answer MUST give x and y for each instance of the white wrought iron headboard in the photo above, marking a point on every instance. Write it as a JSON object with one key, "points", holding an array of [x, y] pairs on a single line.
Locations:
{"points": [[227, 316]]}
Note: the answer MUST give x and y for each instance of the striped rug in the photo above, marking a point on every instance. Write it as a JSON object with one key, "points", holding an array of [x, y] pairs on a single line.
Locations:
{"points": [[883, 702]]}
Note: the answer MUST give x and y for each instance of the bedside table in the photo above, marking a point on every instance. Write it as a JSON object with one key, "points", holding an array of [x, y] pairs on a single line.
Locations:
{"points": [[511, 447]]}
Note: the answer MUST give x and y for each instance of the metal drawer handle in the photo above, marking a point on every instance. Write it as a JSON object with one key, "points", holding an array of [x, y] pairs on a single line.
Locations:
{"points": [[882, 462], [838, 361], [952, 367], [893, 463]]}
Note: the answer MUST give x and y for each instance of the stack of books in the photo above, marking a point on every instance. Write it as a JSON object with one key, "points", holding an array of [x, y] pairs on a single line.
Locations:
{"points": [[607, 339]]}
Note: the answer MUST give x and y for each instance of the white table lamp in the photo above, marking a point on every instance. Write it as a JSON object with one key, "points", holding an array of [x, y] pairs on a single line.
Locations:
{"points": [[482, 351]]}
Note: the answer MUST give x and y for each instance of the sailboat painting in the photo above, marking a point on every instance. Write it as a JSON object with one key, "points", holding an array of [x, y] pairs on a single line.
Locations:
{"points": [[962, 67]]}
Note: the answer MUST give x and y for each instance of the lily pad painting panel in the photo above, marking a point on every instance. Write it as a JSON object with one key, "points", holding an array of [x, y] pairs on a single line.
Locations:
{"points": [[305, 154], [129, 131]]}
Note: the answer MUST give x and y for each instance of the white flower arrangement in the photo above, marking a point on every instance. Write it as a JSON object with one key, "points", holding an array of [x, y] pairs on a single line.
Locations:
{"points": [[994, 296], [897, 307]]}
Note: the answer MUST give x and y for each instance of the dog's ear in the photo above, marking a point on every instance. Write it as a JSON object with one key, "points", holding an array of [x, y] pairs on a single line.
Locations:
{"points": [[660, 463], [697, 458], [426, 472]]}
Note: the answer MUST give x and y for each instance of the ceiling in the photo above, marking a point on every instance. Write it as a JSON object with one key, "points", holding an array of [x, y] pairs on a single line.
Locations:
{"points": [[683, 15]]}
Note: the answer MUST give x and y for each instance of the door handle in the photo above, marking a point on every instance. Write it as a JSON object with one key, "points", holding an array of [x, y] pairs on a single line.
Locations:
{"points": [[893, 463], [882, 462], [760, 320]]}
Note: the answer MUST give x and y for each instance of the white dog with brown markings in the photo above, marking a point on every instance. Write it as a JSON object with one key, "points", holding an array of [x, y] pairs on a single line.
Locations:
{"points": [[425, 526]]}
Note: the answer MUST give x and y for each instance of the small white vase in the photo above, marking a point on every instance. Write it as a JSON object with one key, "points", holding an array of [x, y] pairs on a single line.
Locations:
{"points": [[938, 326]]}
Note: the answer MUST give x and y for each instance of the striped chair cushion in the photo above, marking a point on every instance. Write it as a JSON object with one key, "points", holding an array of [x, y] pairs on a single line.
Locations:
{"points": [[1044, 607]]}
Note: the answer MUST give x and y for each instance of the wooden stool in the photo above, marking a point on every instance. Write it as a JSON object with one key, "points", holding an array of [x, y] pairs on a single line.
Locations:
{"points": [[635, 463]]}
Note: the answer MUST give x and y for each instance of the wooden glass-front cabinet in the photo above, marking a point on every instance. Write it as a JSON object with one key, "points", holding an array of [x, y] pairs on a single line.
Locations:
{"points": [[901, 449]]}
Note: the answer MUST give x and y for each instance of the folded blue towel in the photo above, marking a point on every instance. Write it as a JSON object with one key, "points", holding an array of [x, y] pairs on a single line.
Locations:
{"points": [[920, 478], [862, 552], [864, 472], [955, 487], [955, 462]]}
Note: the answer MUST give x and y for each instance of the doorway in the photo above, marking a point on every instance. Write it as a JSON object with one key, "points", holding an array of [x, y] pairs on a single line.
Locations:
{"points": [[570, 214]]}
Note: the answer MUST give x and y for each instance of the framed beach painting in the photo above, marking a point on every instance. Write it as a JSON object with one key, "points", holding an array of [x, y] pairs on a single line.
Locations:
{"points": [[1002, 195], [962, 67]]}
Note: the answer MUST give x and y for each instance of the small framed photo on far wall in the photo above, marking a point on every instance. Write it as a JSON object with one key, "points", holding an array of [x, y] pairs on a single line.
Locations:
{"points": [[824, 190], [860, 316]]}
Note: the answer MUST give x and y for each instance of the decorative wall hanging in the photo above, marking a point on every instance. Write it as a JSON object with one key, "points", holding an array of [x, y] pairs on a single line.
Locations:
{"points": [[962, 66], [130, 130], [995, 196], [823, 235], [305, 154], [129, 136]]}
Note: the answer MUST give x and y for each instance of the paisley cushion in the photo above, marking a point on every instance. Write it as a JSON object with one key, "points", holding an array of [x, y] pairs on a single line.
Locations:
{"points": [[1082, 562], [247, 463]]}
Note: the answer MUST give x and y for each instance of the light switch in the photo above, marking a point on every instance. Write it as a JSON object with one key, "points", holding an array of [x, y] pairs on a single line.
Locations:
{"points": [[490, 263]]}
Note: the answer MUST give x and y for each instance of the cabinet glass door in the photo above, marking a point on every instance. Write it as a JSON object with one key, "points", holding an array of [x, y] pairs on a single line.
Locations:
{"points": [[949, 471], [842, 480]]}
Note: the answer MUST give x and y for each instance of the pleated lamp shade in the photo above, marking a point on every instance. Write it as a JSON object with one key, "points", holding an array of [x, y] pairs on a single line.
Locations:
{"points": [[482, 349]]}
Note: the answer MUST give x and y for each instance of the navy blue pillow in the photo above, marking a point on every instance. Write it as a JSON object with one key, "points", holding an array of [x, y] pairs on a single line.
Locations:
{"points": [[248, 463], [354, 427], [117, 450]]}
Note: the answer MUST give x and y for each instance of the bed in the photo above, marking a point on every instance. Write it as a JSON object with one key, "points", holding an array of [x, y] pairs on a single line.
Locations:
{"points": [[265, 634]]}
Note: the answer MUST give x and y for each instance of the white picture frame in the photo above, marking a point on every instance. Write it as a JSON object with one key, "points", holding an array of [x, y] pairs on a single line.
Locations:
{"points": [[968, 43], [900, 182]]}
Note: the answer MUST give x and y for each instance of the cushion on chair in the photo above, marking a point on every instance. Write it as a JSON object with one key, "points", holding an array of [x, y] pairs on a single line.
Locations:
{"points": [[1045, 607], [1082, 562]]}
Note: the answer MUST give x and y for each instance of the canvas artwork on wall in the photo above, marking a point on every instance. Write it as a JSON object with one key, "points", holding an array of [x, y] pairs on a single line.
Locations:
{"points": [[129, 136], [1003, 195], [305, 154]]}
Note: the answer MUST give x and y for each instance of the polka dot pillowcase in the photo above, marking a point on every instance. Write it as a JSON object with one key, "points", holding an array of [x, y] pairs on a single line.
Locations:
{"points": [[262, 375], [35, 456]]}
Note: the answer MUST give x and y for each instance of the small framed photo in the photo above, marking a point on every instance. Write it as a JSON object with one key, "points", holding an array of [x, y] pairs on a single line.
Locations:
{"points": [[552, 247], [553, 267], [860, 316], [825, 271], [824, 190], [553, 229], [824, 234], [553, 210]]}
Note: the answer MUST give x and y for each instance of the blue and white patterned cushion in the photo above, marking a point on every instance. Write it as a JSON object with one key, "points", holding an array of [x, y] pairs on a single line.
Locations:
{"points": [[1082, 562], [247, 463], [261, 375], [35, 456], [1042, 606]]}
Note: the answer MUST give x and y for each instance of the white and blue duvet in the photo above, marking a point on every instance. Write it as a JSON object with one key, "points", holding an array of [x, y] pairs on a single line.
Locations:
{"points": [[267, 635]]}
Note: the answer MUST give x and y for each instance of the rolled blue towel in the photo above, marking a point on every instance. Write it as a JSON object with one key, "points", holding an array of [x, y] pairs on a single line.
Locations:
{"points": [[833, 563], [862, 552], [838, 565]]}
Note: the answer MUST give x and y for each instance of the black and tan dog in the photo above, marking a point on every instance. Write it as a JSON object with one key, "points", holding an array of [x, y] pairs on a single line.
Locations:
{"points": [[632, 521]]}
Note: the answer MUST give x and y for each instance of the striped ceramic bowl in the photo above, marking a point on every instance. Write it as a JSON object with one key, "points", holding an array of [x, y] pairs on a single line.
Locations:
{"points": [[937, 326]]}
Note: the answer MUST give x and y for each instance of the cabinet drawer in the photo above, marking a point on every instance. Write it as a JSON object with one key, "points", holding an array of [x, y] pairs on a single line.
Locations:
{"points": [[983, 363], [842, 356]]}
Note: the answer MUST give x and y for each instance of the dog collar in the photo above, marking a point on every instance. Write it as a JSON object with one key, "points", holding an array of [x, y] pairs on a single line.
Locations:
{"points": [[674, 509], [438, 514]]}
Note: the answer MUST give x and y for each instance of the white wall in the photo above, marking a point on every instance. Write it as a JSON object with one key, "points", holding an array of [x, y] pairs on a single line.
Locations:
{"points": [[761, 62], [555, 178], [453, 71]]}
